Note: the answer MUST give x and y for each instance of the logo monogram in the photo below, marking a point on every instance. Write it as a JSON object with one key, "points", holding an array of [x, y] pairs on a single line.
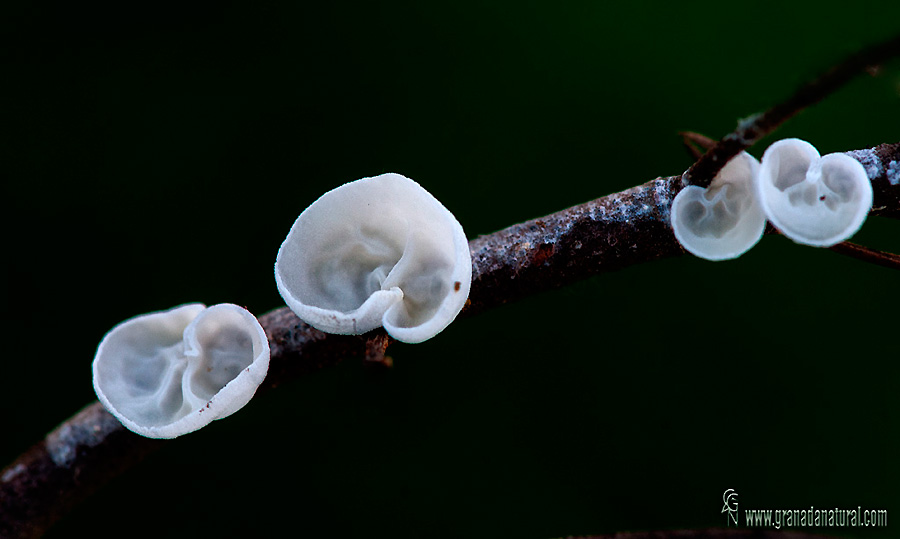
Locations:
{"points": [[730, 504]]}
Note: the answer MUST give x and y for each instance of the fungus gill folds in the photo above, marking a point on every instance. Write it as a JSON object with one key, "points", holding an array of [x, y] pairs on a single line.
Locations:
{"points": [[813, 200], [168, 373], [379, 251], [724, 220]]}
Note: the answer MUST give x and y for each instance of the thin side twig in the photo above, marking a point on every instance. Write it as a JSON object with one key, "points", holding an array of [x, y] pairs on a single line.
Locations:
{"points": [[873, 256], [695, 143], [750, 130]]}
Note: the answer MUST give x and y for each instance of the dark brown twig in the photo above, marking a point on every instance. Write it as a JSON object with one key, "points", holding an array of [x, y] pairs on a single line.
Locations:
{"points": [[608, 233], [873, 256], [695, 143], [750, 130]]}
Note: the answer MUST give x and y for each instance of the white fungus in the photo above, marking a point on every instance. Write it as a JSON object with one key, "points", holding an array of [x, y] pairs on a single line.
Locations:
{"points": [[813, 200], [724, 220], [379, 251], [167, 373]]}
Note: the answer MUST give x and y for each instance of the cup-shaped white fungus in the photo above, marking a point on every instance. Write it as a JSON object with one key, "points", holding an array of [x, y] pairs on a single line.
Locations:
{"points": [[813, 200], [379, 251], [724, 220], [168, 373]]}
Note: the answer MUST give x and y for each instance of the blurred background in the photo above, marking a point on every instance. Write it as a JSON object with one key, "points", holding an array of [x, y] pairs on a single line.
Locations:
{"points": [[158, 155]]}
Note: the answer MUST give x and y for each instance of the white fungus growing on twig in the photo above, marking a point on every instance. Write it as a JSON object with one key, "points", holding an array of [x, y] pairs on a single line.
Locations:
{"points": [[168, 373], [379, 251], [813, 200], [724, 220]]}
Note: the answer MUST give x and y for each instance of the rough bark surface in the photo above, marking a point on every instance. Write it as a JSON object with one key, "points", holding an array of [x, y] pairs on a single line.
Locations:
{"points": [[605, 234]]}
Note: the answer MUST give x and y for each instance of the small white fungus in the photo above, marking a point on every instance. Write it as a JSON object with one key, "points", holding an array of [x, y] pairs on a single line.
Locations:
{"points": [[379, 251], [813, 200], [724, 220], [168, 373]]}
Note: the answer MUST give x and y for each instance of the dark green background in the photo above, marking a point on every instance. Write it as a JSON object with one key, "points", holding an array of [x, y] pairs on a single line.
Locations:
{"points": [[158, 156]]}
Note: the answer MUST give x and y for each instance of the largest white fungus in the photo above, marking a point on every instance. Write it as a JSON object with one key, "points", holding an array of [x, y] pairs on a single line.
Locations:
{"points": [[168, 373], [379, 251], [724, 220], [813, 200]]}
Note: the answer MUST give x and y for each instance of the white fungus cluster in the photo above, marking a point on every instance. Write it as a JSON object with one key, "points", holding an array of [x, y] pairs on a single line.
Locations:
{"points": [[379, 251], [168, 373], [812, 200]]}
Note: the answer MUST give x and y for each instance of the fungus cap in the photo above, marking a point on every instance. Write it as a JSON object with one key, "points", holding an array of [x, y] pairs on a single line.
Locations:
{"points": [[724, 220], [380, 251], [813, 200], [167, 373]]}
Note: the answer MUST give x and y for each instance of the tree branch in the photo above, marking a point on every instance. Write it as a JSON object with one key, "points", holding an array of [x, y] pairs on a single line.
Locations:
{"points": [[605, 234], [750, 130], [873, 256]]}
